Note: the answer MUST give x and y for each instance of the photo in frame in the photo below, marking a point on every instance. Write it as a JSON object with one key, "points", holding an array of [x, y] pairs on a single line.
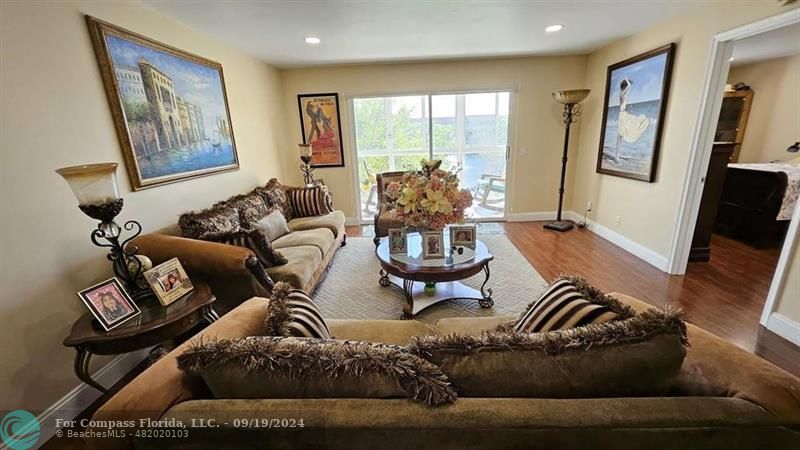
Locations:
{"points": [[633, 114], [398, 244], [463, 236], [433, 245], [169, 107], [109, 303], [322, 128], [169, 281]]}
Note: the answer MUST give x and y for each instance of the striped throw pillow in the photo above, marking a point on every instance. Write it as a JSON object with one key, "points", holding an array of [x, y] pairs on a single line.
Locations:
{"points": [[256, 241], [292, 313], [563, 306], [310, 201]]}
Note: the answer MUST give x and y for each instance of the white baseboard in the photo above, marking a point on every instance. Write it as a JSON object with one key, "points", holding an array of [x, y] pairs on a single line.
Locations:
{"points": [[650, 256], [784, 327], [531, 216], [83, 395]]}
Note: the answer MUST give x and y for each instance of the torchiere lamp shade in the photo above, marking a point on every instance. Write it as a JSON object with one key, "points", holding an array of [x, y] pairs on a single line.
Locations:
{"points": [[92, 184], [571, 97]]}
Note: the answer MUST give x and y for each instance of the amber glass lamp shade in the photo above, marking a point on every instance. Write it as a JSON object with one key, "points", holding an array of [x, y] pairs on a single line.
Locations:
{"points": [[571, 97], [92, 184], [305, 150]]}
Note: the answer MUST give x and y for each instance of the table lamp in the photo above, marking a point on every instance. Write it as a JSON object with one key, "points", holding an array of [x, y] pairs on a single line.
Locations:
{"points": [[95, 187], [305, 155]]}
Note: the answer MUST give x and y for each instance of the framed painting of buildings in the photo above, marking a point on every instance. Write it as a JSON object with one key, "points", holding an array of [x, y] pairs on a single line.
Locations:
{"points": [[322, 128], [633, 114], [169, 107]]}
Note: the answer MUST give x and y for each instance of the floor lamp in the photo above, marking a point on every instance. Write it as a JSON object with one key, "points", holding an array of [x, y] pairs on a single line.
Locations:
{"points": [[570, 99]]}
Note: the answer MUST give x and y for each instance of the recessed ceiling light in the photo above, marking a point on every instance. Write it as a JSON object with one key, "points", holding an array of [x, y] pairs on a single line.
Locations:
{"points": [[731, 59], [554, 28], [312, 40]]}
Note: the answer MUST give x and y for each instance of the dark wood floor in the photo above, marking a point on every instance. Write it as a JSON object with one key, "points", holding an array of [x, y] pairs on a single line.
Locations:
{"points": [[724, 296]]}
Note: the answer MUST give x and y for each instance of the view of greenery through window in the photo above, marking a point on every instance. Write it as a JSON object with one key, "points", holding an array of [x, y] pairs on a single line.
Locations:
{"points": [[469, 134]]}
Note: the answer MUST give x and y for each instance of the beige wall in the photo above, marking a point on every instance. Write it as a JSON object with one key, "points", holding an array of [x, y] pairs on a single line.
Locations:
{"points": [[54, 114], [648, 212], [537, 137], [774, 121]]}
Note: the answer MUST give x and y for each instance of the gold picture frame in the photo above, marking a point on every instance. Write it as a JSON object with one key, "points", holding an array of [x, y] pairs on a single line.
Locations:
{"points": [[169, 281], [169, 107]]}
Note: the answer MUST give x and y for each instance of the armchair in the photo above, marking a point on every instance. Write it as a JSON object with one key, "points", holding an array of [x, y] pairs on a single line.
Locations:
{"points": [[383, 221]]}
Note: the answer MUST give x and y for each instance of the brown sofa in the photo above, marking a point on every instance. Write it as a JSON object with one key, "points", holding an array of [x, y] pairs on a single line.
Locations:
{"points": [[724, 398], [235, 273]]}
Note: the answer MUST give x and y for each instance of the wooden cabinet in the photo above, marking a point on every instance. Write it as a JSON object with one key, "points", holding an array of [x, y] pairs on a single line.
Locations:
{"points": [[709, 203], [733, 120]]}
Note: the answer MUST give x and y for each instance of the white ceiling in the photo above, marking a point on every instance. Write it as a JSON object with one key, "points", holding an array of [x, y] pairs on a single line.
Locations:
{"points": [[381, 31], [772, 44]]}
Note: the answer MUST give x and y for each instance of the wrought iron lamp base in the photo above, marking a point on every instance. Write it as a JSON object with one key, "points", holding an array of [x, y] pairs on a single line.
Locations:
{"points": [[560, 225]]}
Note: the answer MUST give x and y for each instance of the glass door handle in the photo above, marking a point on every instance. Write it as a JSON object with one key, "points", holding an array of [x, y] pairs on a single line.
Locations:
{"points": [[508, 152]]}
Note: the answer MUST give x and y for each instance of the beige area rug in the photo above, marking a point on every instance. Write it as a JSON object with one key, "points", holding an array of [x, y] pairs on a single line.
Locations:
{"points": [[351, 289]]}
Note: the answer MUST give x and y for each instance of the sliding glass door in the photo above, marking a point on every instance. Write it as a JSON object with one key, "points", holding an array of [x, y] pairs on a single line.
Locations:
{"points": [[468, 132]]}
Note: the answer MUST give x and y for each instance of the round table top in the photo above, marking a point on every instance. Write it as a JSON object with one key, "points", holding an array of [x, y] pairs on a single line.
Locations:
{"points": [[412, 265], [153, 317]]}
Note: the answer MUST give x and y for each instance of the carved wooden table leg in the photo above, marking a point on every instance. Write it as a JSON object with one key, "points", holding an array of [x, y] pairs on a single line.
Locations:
{"points": [[82, 357], [384, 279], [408, 291], [486, 293]]}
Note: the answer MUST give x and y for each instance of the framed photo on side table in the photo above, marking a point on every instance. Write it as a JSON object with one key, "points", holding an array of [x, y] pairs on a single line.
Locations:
{"points": [[397, 241], [463, 235], [109, 303], [433, 245], [169, 281]]}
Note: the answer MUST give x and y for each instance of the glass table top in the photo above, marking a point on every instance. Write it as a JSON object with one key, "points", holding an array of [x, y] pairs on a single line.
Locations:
{"points": [[413, 255]]}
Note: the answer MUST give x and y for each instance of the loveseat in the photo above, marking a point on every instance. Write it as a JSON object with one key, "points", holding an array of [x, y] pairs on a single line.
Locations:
{"points": [[723, 398], [234, 272]]}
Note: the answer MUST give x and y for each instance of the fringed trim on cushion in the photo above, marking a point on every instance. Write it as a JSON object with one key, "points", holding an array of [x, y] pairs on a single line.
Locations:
{"points": [[667, 320], [303, 359]]}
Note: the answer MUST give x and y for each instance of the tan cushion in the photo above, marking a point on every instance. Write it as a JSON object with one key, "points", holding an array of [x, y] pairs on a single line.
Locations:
{"points": [[469, 325], [398, 332], [321, 238], [273, 225], [298, 271], [333, 221], [276, 367], [639, 356]]}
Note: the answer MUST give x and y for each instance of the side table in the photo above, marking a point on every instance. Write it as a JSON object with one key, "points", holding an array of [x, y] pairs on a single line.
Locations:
{"points": [[156, 324]]}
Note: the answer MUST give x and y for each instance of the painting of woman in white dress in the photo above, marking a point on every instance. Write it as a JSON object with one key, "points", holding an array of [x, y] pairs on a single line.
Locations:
{"points": [[635, 103]]}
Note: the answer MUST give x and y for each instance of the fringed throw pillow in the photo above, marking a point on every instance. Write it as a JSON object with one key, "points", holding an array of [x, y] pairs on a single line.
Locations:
{"points": [[570, 302], [256, 241], [274, 367], [636, 357], [310, 201], [292, 313]]}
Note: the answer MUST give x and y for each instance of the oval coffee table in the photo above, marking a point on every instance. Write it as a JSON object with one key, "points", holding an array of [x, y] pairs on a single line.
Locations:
{"points": [[410, 272]]}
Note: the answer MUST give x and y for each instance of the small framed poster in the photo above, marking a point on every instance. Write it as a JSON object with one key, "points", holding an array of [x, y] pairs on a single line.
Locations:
{"points": [[322, 128], [433, 245], [169, 281], [463, 235], [397, 241], [109, 303]]}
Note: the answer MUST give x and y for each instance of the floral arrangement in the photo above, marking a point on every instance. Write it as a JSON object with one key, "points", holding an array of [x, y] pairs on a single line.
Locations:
{"points": [[429, 199]]}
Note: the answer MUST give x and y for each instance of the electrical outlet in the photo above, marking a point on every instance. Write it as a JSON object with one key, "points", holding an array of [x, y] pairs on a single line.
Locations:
{"points": [[589, 206], [618, 220]]}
